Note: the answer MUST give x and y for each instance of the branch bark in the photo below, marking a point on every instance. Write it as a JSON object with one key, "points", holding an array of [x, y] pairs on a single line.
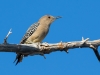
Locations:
{"points": [[46, 48]]}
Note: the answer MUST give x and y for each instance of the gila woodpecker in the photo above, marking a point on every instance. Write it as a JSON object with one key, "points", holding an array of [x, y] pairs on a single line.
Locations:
{"points": [[36, 33]]}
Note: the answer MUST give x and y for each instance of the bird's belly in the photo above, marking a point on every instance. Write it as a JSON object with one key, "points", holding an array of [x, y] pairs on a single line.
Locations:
{"points": [[37, 37], [40, 37]]}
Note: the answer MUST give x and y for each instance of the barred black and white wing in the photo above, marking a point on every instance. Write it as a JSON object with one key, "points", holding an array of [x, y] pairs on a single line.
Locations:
{"points": [[29, 32]]}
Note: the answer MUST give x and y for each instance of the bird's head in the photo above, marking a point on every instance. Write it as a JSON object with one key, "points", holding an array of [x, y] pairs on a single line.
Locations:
{"points": [[48, 19]]}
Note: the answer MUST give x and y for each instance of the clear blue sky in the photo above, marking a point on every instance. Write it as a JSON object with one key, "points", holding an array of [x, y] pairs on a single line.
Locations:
{"points": [[79, 18]]}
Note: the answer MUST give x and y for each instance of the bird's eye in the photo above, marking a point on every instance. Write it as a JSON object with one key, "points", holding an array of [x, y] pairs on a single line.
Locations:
{"points": [[48, 16]]}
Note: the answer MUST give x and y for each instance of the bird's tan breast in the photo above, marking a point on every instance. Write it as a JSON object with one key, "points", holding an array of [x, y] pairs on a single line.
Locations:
{"points": [[39, 34]]}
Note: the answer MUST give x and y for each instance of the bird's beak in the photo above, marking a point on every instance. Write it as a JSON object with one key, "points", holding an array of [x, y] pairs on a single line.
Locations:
{"points": [[57, 17]]}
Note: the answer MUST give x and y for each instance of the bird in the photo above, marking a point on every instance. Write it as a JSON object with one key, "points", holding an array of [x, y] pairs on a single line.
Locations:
{"points": [[36, 33]]}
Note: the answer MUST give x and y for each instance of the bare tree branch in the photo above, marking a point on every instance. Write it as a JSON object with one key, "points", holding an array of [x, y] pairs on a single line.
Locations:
{"points": [[46, 48]]}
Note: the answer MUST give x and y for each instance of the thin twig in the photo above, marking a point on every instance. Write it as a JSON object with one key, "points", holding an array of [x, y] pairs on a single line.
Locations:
{"points": [[5, 40]]}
